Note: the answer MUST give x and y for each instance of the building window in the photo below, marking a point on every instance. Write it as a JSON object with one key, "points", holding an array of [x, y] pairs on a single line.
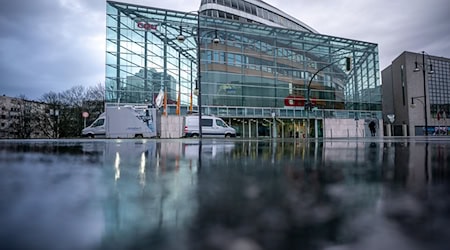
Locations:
{"points": [[402, 78], [234, 4]]}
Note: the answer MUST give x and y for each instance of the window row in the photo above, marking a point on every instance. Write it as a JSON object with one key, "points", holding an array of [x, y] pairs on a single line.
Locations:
{"points": [[253, 10]]}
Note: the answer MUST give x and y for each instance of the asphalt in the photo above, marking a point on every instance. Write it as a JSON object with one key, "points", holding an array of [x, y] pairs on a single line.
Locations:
{"points": [[341, 193]]}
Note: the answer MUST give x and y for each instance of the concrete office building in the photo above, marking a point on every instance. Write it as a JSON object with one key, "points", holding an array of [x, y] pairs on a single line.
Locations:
{"points": [[413, 100], [258, 68]]}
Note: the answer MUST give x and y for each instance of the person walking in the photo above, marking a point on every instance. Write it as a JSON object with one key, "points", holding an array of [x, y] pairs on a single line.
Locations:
{"points": [[372, 127]]}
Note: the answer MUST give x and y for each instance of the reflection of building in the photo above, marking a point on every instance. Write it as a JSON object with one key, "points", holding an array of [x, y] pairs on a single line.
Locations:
{"points": [[136, 90], [210, 150], [401, 85], [148, 190], [265, 60]]}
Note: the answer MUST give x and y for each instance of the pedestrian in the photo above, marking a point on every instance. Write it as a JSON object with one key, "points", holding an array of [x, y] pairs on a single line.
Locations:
{"points": [[372, 127]]}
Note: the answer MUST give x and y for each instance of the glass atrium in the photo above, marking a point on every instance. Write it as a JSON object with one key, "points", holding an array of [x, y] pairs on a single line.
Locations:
{"points": [[255, 71]]}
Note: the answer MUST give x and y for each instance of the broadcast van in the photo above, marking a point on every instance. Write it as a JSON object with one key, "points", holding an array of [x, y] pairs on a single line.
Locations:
{"points": [[123, 122]]}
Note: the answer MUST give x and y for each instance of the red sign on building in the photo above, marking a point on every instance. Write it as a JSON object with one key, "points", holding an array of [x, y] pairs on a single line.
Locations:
{"points": [[147, 26]]}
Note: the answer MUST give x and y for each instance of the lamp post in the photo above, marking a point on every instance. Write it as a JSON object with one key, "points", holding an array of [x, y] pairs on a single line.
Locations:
{"points": [[55, 113], [308, 104], [416, 69], [198, 87]]}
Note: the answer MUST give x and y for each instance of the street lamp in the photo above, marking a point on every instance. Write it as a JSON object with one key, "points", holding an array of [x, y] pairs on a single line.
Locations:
{"points": [[198, 88], [55, 114], [413, 105], [308, 104], [416, 69]]}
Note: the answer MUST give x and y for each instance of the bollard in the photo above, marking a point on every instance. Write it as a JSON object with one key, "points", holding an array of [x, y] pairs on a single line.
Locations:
{"points": [[405, 130]]}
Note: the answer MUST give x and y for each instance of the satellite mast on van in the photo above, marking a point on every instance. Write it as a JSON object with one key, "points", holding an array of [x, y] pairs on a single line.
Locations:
{"points": [[159, 98]]}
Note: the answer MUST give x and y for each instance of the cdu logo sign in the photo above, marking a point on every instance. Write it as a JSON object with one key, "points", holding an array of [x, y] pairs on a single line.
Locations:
{"points": [[142, 24]]}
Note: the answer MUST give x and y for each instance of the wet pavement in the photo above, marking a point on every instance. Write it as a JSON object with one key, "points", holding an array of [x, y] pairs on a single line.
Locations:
{"points": [[225, 194]]}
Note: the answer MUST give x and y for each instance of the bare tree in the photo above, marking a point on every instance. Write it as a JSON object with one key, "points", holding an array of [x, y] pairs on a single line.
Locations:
{"points": [[71, 121], [95, 101], [96, 92], [74, 97], [50, 120], [27, 118], [21, 118], [70, 105]]}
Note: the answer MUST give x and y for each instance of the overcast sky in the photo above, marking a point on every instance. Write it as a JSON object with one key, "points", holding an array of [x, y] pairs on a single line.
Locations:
{"points": [[53, 45]]}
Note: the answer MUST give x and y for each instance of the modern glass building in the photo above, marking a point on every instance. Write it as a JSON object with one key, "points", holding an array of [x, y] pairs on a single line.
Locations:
{"points": [[257, 76]]}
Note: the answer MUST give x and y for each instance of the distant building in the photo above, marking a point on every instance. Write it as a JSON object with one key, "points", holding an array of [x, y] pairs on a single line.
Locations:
{"points": [[20, 118], [404, 95]]}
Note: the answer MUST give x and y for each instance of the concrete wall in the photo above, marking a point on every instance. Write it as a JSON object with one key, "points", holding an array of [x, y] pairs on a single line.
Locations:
{"points": [[342, 128], [171, 126]]}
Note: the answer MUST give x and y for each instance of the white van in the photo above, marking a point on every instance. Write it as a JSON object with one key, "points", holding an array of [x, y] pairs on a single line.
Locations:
{"points": [[123, 122], [211, 127]]}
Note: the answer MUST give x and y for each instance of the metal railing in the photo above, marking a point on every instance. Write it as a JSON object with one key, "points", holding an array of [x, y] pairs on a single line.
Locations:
{"points": [[281, 112]]}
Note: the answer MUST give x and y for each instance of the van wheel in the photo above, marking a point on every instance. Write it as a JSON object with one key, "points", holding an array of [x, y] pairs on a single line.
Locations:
{"points": [[228, 136], [91, 136], [138, 136], [194, 135]]}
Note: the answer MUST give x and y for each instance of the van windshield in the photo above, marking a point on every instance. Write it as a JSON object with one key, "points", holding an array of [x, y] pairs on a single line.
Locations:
{"points": [[99, 122]]}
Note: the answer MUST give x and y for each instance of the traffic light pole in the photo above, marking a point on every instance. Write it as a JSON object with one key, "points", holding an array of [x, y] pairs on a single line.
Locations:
{"points": [[308, 104]]}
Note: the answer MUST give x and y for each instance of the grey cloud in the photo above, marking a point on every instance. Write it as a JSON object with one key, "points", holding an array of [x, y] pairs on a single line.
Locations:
{"points": [[395, 26], [50, 45], [46, 46]]}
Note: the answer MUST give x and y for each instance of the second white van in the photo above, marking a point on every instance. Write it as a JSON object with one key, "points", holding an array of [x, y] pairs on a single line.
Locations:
{"points": [[211, 127]]}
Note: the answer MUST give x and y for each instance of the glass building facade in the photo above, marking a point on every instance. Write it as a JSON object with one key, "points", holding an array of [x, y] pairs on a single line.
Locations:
{"points": [[255, 71], [439, 87]]}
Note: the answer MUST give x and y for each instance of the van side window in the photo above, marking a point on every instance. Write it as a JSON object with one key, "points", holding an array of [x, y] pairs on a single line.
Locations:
{"points": [[221, 123], [207, 122], [99, 122]]}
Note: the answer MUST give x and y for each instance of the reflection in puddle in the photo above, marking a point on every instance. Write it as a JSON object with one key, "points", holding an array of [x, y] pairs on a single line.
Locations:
{"points": [[117, 167], [225, 194]]}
